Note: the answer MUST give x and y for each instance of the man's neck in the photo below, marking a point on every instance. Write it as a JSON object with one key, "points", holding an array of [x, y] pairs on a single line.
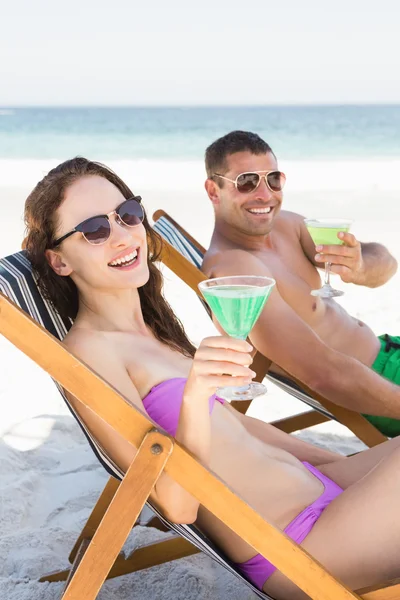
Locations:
{"points": [[226, 234]]}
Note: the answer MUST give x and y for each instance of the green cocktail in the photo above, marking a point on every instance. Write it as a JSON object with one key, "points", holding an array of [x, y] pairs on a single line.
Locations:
{"points": [[236, 307], [324, 232], [326, 236], [237, 303]]}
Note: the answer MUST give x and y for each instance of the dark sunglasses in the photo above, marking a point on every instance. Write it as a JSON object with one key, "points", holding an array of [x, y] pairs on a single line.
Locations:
{"points": [[97, 230], [248, 182]]}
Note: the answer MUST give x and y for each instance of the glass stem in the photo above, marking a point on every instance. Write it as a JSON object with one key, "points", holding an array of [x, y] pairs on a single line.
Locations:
{"points": [[327, 280]]}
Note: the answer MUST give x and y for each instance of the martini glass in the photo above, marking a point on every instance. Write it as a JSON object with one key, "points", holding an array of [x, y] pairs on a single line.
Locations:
{"points": [[324, 232], [237, 303]]}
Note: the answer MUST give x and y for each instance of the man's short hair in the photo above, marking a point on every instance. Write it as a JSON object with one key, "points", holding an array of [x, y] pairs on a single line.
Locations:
{"points": [[235, 141]]}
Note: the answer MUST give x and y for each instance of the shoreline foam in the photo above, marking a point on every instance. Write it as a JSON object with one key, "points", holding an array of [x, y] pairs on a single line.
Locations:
{"points": [[302, 175]]}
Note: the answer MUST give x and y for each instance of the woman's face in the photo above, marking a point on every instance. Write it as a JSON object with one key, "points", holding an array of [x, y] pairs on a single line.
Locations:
{"points": [[98, 266]]}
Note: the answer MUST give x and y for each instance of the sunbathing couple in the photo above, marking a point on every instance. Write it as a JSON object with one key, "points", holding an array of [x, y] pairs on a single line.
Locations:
{"points": [[87, 238]]}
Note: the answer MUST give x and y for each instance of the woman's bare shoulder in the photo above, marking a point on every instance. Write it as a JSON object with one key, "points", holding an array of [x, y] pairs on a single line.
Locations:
{"points": [[97, 350], [85, 338], [93, 347]]}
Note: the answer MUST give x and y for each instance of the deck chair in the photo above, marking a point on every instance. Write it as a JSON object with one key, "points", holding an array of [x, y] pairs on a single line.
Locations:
{"points": [[184, 256], [18, 284], [38, 338]]}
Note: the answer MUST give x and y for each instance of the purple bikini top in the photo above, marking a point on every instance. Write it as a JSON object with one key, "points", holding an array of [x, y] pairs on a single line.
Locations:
{"points": [[163, 403]]}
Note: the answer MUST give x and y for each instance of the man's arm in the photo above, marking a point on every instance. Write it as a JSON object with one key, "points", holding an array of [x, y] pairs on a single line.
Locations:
{"points": [[273, 436], [379, 265], [368, 264], [282, 336]]}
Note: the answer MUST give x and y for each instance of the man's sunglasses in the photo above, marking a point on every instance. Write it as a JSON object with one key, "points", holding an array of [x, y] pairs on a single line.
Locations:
{"points": [[248, 182], [96, 230]]}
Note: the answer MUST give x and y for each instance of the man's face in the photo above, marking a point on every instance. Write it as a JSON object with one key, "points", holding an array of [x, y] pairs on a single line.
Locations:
{"points": [[250, 213]]}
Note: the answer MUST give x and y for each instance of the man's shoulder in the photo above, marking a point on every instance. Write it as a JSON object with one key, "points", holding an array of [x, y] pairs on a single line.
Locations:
{"points": [[233, 261], [289, 219], [221, 259]]}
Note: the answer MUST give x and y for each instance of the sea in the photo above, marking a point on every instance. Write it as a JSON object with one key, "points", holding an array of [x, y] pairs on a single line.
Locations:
{"points": [[183, 133], [162, 148]]}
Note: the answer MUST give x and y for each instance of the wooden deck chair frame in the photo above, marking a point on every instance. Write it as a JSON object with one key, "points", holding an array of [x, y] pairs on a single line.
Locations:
{"points": [[158, 453], [18, 283], [192, 276]]}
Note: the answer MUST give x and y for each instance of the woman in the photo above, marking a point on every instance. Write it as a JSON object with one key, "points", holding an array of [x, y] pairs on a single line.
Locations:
{"points": [[87, 238]]}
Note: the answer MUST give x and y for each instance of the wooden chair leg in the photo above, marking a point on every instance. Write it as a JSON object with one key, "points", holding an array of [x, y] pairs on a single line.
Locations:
{"points": [[150, 555], [96, 515], [386, 591], [78, 557], [241, 405], [89, 530], [145, 557], [157, 524], [120, 516], [300, 421]]}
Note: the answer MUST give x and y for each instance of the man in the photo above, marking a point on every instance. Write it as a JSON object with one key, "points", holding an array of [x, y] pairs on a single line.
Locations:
{"points": [[312, 338]]}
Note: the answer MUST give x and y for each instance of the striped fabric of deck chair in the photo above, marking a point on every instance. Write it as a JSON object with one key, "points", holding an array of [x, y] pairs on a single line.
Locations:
{"points": [[184, 256], [17, 283], [157, 452]]}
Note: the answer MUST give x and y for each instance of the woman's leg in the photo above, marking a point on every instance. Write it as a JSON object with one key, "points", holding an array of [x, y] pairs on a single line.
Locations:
{"points": [[352, 469], [357, 537]]}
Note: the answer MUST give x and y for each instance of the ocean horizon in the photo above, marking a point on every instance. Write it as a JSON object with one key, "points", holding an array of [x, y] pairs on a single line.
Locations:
{"points": [[182, 133]]}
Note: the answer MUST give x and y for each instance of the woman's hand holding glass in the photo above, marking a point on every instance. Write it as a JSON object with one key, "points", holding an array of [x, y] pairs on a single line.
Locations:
{"points": [[218, 359], [236, 303]]}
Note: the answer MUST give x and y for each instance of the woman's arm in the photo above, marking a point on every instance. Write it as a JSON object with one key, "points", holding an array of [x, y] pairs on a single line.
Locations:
{"points": [[215, 355]]}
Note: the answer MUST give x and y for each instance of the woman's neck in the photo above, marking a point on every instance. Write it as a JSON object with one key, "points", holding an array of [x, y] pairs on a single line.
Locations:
{"points": [[112, 311]]}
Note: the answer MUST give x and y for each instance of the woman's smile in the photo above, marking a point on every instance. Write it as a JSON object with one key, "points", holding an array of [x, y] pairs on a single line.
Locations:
{"points": [[126, 260]]}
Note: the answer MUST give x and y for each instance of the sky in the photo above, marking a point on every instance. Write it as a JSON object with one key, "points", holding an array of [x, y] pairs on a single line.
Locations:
{"points": [[183, 52]]}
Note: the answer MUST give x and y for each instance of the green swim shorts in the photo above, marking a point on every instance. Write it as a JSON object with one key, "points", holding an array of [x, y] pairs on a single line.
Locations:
{"points": [[387, 364]]}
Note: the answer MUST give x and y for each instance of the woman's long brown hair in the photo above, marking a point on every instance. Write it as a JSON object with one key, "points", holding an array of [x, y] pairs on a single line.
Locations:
{"points": [[41, 224]]}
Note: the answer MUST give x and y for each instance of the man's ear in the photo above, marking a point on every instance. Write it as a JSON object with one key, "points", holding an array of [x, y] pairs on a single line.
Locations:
{"points": [[212, 190], [57, 263]]}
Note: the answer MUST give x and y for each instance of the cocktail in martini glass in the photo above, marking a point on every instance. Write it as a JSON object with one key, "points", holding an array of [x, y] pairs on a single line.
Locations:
{"points": [[324, 232], [237, 303]]}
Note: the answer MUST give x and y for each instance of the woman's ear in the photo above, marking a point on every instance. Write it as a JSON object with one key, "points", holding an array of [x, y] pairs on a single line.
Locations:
{"points": [[212, 190], [57, 263]]}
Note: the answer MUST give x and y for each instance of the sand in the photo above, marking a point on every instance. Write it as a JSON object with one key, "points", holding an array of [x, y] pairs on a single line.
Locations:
{"points": [[50, 479]]}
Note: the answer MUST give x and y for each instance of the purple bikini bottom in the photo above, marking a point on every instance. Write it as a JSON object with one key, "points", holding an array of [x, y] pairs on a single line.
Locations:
{"points": [[258, 569]]}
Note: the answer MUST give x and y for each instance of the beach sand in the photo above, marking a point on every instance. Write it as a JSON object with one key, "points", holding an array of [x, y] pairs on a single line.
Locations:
{"points": [[50, 479]]}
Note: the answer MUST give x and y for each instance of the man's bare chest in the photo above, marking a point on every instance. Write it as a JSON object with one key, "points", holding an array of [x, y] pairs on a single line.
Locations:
{"points": [[295, 277]]}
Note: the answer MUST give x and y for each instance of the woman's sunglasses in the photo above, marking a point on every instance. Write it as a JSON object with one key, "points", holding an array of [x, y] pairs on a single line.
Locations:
{"points": [[248, 182], [96, 230]]}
